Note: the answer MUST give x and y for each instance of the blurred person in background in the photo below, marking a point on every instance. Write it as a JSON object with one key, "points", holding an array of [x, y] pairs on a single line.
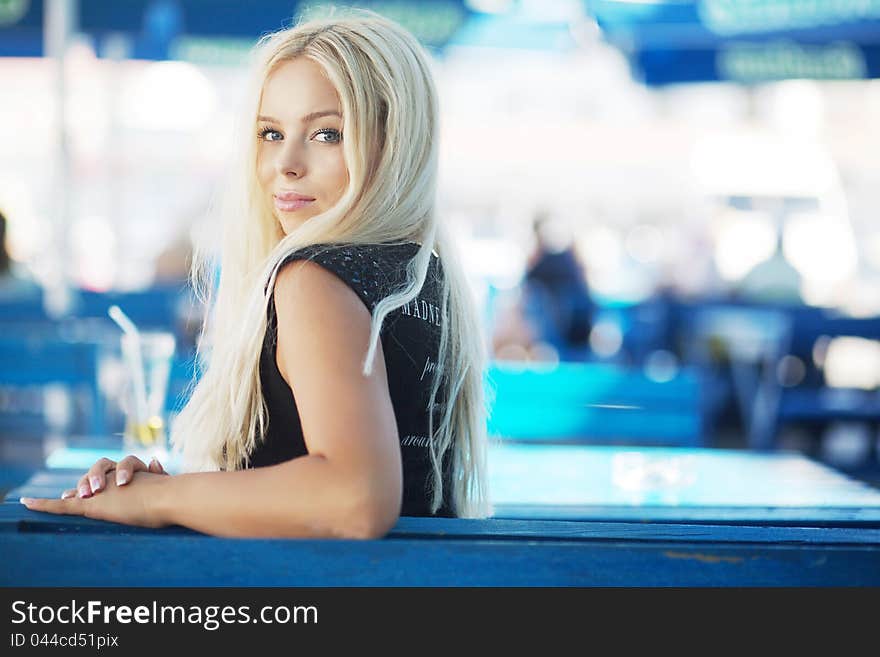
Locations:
{"points": [[343, 357], [14, 285], [556, 292], [774, 280]]}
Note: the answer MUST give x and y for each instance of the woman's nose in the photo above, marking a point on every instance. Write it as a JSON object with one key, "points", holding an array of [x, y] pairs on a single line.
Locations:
{"points": [[291, 160]]}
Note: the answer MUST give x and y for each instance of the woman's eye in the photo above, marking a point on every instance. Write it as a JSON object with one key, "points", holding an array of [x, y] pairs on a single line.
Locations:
{"points": [[266, 133], [328, 136]]}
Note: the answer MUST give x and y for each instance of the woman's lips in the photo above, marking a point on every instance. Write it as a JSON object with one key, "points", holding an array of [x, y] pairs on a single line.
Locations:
{"points": [[291, 203]]}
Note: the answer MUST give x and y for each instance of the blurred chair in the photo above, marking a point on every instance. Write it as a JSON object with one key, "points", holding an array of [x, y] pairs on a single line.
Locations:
{"points": [[29, 308], [747, 342], [809, 397], [154, 307], [48, 389], [643, 329], [770, 353], [32, 367]]}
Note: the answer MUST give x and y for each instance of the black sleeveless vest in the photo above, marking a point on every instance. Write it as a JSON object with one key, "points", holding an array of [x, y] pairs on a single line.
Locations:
{"points": [[410, 340]]}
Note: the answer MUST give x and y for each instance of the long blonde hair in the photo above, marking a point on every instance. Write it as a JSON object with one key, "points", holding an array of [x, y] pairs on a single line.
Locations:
{"points": [[384, 82]]}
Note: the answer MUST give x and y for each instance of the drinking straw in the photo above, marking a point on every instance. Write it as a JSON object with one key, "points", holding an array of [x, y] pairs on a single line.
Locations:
{"points": [[134, 335]]}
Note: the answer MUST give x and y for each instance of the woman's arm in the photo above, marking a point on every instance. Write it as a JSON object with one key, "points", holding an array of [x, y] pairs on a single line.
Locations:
{"points": [[350, 483]]}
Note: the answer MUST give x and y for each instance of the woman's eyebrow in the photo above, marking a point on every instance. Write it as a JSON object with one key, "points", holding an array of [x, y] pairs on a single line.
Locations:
{"points": [[308, 117]]}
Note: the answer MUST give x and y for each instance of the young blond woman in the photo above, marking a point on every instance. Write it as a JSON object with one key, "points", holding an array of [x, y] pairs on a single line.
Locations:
{"points": [[343, 358]]}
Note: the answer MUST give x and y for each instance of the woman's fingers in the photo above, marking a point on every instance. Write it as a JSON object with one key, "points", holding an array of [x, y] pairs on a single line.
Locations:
{"points": [[126, 468], [49, 505], [95, 479], [70, 492], [156, 467]]}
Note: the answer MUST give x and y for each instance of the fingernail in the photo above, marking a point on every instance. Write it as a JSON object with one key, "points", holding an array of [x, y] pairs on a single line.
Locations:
{"points": [[84, 491], [96, 483], [153, 461], [121, 477], [25, 500], [66, 494]]}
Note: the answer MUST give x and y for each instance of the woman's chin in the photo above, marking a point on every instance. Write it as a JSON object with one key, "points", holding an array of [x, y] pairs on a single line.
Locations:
{"points": [[289, 224]]}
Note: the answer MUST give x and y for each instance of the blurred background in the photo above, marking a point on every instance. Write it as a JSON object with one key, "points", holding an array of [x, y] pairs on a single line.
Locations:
{"points": [[669, 210]]}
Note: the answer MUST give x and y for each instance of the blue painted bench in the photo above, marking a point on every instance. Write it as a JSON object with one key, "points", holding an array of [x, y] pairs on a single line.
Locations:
{"points": [[593, 403], [42, 550]]}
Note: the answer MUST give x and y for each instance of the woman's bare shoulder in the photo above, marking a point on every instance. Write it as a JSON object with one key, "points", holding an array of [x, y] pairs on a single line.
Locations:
{"points": [[307, 289], [318, 313]]}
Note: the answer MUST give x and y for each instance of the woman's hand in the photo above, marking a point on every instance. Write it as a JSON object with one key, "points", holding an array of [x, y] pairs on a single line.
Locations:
{"points": [[131, 504], [96, 478]]}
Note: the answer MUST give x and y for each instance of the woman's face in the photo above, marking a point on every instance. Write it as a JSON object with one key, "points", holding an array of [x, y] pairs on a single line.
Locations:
{"points": [[300, 165]]}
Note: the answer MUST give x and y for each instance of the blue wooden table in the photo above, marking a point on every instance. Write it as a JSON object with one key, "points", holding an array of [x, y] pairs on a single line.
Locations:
{"points": [[565, 516], [610, 483], [675, 484]]}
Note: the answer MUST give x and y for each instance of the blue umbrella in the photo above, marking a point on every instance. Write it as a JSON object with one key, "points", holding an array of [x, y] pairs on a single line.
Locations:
{"points": [[155, 28], [744, 41]]}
